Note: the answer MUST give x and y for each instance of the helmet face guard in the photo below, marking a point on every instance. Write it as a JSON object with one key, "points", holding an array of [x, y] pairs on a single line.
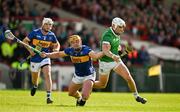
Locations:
{"points": [[45, 22]]}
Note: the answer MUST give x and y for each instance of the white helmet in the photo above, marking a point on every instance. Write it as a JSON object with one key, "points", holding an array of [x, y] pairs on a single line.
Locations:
{"points": [[47, 20], [118, 22]]}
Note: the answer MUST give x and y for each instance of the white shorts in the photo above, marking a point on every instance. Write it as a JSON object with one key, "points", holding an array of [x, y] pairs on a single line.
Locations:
{"points": [[79, 80], [35, 67], [106, 67]]}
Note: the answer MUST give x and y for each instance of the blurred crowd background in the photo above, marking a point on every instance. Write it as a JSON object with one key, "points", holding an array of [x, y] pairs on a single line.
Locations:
{"points": [[149, 20], [153, 21]]}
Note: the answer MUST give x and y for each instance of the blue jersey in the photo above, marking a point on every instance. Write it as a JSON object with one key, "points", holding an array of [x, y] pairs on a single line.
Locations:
{"points": [[81, 60], [41, 42]]}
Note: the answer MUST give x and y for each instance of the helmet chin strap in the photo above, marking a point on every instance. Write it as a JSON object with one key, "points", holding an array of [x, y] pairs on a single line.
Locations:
{"points": [[118, 34], [115, 26], [45, 31], [114, 30]]}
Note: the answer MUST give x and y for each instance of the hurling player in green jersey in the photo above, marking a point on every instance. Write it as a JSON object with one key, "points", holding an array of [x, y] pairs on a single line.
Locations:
{"points": [[111, 61]]}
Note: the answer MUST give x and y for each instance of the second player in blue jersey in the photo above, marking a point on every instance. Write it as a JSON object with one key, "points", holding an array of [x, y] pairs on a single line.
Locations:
{"points": [[42, 39], [84, 75], [81, 60]]}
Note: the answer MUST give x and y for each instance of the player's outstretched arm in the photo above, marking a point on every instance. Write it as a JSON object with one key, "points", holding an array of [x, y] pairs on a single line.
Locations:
{"points": [[96, 55], [56, 46], [54, 54], [106, 50], [26, 41]]}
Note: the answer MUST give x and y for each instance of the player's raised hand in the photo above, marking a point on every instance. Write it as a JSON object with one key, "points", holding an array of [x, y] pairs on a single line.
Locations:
{"points": [[43, 54], [32, 53], [116, 58]]}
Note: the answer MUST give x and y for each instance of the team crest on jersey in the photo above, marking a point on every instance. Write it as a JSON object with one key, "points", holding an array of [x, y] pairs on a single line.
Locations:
{"points": [[44, 37], [50, 38], [38, 36], [81, 53]]}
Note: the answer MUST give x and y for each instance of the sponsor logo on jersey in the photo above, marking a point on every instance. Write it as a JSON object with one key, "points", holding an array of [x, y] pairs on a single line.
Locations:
{"points": [[80, 59], [42, 43]]}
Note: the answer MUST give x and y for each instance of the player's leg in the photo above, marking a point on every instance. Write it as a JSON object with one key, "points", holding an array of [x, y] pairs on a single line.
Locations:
{"points": [[123, 71], [73, 90], [104, 71], [34, 77], [74, 87], [101, 82], [87, 86], [46, 69], [86, 91]]}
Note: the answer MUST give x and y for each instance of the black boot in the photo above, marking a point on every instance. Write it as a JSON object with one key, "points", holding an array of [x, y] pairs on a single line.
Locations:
{"points": [[140, 99], [33, 91], [80, 103], [49, 101]]}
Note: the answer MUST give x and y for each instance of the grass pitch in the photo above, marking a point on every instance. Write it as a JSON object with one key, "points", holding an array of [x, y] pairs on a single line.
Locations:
{"points": [[21, 101]]}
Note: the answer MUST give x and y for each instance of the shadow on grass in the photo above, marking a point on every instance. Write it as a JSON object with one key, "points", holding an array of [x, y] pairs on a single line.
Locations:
{"points": [[62, 105], [53, 105]]}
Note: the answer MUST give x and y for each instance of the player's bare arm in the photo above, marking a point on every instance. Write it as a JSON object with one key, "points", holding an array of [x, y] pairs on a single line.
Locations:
{"points": [[26, 40], [60, 54], [56, 46], [96, 55], [106, 50]]}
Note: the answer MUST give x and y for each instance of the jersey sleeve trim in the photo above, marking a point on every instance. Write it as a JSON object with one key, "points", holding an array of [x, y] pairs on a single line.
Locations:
{"points": [[106, 42]]}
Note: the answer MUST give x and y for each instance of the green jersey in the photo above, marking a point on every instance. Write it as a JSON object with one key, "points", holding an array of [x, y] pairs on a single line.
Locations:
{"points": [[114, 40]]}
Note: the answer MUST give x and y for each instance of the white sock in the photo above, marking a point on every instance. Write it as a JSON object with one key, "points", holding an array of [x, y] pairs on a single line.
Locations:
{"points": [[35, 86], [83, 99], [79, 99], [135, 94]]}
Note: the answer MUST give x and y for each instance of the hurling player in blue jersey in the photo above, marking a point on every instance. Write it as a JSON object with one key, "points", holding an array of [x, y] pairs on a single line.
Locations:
{"points": [[84, 75], [44, 40]]}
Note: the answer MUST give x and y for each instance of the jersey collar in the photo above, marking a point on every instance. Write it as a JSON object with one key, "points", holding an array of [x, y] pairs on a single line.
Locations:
{"points": [[113, 32]]}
